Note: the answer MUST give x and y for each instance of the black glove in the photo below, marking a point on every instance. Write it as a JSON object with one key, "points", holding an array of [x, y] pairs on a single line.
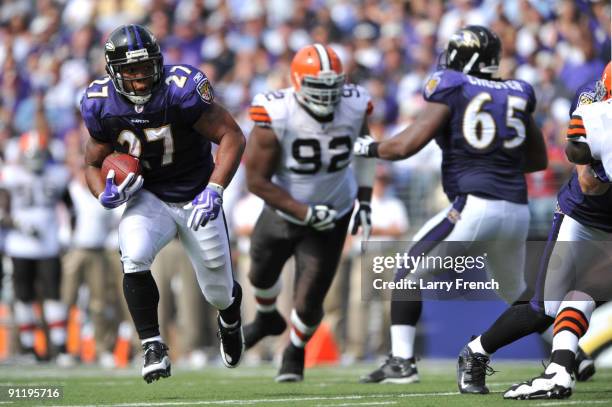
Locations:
{"points": [[363, 218]]}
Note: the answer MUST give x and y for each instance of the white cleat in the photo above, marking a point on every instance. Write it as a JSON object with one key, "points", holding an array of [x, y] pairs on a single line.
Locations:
{"points": [[555, 383]]}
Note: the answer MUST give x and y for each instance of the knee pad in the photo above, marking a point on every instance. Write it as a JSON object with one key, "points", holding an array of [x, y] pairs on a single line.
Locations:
{"points": [[219, 296], [137, 258]]}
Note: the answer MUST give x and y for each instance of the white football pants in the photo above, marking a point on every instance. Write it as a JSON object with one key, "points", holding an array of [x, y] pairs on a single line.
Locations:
{"points": [[148, 224]]}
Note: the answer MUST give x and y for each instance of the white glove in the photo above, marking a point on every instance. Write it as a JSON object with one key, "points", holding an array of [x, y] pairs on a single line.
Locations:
{"points": [[361, 147], [205, 206], [321, 217]]}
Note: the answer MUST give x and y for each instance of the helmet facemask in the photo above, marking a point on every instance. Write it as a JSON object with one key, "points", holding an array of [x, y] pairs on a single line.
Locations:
{"points": [[603, 87], [320, 94], [134, 48], [151, 69]]}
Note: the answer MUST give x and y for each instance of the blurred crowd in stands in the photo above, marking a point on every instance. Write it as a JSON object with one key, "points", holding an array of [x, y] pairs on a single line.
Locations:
{"points": [[50, 50]]}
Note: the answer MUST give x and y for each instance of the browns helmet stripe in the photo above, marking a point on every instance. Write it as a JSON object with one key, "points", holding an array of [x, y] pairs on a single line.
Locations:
{"points": [[323, 57]]}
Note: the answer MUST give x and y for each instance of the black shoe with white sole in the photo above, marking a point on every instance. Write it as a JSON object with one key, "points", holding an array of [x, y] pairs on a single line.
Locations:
{"points": [[231, 343], [292, 367], [472, 370], [395, 370], [156, 361], [585, 366]]}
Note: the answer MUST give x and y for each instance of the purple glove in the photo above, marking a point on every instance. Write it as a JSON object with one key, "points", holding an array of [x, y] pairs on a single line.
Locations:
{"points": [[205, 206], [114, 195]]}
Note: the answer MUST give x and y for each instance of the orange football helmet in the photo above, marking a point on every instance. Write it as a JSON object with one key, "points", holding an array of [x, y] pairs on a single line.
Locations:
{"points": [[317, 77], [34, 150], [604, 85]]}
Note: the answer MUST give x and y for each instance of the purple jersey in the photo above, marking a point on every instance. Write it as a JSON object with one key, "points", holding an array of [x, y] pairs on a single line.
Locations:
{"points": [[176, 160], [482, 143], [589, 210]]}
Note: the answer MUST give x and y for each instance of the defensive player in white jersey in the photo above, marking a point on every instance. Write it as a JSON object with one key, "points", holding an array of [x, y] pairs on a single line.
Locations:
{"points": [[36, 187], [299, 162], [570, 289]]}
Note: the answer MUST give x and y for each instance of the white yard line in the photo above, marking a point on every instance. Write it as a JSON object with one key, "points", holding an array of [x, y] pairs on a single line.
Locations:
{"points": [[367, 403], [569, 403], [268, 401]]}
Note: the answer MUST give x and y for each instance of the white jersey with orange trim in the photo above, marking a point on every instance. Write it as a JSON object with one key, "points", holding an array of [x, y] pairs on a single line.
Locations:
{"points": [[34, 199], [315, 159], [591, 124]]}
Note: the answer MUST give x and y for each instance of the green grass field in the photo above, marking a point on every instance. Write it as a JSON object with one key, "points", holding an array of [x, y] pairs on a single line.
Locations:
{"points": [[337, 386]]}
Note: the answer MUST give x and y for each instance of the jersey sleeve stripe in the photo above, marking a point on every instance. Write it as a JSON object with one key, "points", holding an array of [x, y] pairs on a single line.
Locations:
{"points": [[257, 117], [258, 109]]}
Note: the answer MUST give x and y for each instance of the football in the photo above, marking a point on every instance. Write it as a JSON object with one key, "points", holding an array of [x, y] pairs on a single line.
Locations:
{"points": [[122, 163]]}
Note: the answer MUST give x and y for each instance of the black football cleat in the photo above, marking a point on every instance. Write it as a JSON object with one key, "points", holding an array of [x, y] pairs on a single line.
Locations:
{"points": [[292, 367], [395, 370], [156, 361], [585, 366], [264, 324], [231, 343], [472, 370]]}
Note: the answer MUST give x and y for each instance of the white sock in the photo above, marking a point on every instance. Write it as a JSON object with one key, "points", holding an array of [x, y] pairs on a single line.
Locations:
{"points": [[565, 340], [157, 338], [402, 341], [56, 314], [26, 320], [300, 332], [226, 325], [476, 346], [265, 298]]}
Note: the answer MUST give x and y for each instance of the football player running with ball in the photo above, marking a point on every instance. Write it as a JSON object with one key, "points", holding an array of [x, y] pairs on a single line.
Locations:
{"points": [[299, 159], [166, 116], [489, 140]]}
